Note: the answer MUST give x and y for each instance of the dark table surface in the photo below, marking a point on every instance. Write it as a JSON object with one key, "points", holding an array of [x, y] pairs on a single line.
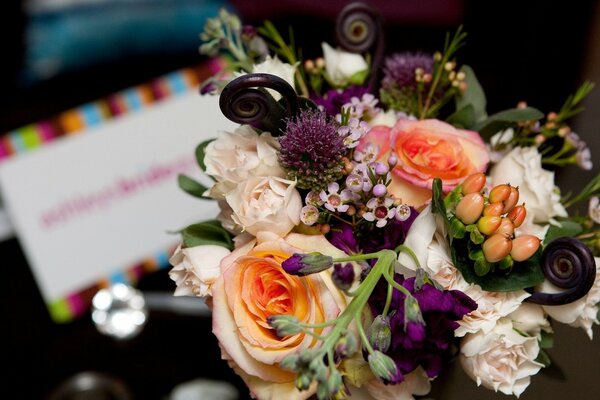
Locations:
{"points": [[537, 51]]}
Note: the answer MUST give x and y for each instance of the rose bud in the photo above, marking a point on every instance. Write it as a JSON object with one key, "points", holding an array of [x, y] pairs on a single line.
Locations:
{"points": [[488, 224], [493, 209], [517, 215], [469, 208], [506, 227], [524, 247], [512, 199], [496, 247], [473, 183], [499, 193]]}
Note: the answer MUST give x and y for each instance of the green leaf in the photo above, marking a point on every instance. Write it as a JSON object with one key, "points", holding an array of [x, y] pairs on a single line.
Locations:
{"points": [[359, 77], [482, 267], [546, 340], [523, 275], [567, 228], [475, 236], [200, 153], [437, 198], [506, 118], [192, 187], [463, 117], [543, 358], [456, 228], [473, 96], [207, 232]]}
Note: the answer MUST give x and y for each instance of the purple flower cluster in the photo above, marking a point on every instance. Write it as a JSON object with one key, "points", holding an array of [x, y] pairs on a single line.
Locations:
{"points": [[333, 100], [399, 68], [345, 238], [428, 345]]}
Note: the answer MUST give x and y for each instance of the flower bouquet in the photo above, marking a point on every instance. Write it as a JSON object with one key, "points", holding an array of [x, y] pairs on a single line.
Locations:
{"points": [[375, 222]]}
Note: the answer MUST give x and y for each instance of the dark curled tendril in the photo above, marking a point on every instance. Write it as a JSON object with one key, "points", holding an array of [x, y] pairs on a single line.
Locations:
{"points": [[359, 30], [568, 264], [245, 101]]}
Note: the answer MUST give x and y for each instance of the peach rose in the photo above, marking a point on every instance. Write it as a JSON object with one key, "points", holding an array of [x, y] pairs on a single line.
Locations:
{"points": [[429, 149], [252, 287]]}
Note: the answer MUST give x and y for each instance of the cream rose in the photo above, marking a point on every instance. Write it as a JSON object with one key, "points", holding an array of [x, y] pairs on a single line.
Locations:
{"points": [[522, 167], [582, 313], [252, 287], [491, 306], [501, 360], [342, 65], [234, 156], [265, 204], [531, 319], [196, 268]]}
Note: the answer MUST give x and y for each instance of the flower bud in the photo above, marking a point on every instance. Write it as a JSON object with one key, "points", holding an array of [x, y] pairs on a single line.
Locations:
{"points": [[470, 207], [380, 333], [305, 264], [506, 227], [334, 382], [517, 215], [493, 209], [496, 247], [291, 362], [473, 183], [343, 276], [383, 366], [303, 381], [512, 199], [499, 193], [284, 325], [524, 247], [346, 346], [488, 224]]}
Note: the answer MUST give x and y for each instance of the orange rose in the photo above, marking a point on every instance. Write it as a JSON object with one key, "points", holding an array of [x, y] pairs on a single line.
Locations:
{"points": [[431, 149], [254, 286]]}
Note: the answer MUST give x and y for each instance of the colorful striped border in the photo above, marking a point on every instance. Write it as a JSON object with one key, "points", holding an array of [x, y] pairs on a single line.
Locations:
{"points": [[75, 122]]}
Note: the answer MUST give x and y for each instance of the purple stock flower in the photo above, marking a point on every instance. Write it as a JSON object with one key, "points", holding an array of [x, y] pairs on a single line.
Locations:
{"points": [[428, 344], [343, 275], [305, 264], [333, 100]]}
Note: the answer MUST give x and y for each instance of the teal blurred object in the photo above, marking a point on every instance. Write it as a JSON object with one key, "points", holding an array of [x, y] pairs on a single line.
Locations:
{"points": [[62, 36]]}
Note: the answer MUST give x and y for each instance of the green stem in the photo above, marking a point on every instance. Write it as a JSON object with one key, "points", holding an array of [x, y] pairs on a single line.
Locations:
{"points": [[408, 250], [363, 336], [388, 301]]}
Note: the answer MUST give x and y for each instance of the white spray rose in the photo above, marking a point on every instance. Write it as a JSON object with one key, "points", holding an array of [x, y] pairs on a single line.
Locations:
{"points": [[501, 360], [522, 167], [196, 268], [531, 319], [582, 313], [341, 65], [234, 156], [491, 306], [269, 204]]}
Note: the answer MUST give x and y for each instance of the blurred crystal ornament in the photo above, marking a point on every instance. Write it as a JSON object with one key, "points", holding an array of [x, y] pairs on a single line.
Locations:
{"points": [[90, 385], [119, 311], [204, 389]]}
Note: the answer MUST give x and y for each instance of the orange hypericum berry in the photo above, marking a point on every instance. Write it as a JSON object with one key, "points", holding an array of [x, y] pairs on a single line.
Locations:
{"points": [[524, 247], [512, 199], [488, 224], [506, 227], [494, 209], [469, 208], [473, 183], [496, 247], [517, 215], [499, 193]]}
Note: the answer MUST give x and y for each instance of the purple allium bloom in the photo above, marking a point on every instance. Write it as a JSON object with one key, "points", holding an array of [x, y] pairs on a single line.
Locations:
{"points": [[333, 100], [427, 345], [312, 150], [399, 68]]}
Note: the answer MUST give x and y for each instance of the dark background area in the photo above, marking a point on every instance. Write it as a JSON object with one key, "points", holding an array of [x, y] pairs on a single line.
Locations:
{"points": [[536, 51]]}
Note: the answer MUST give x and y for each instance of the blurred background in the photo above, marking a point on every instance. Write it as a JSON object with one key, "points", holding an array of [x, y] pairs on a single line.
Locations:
{"points": [[58, 54]]}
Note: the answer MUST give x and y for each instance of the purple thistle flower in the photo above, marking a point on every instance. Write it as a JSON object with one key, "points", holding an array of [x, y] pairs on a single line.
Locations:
{"points": [[312, 150], [428, 344], [333, 100], [399, 68]]}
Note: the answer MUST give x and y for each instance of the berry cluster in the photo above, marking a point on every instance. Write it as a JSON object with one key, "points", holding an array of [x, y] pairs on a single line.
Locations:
{"points": [[491, 221]]}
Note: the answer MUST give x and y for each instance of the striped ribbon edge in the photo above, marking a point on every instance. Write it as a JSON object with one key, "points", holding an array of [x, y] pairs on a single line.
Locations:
{"points": [[75, 122]]}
